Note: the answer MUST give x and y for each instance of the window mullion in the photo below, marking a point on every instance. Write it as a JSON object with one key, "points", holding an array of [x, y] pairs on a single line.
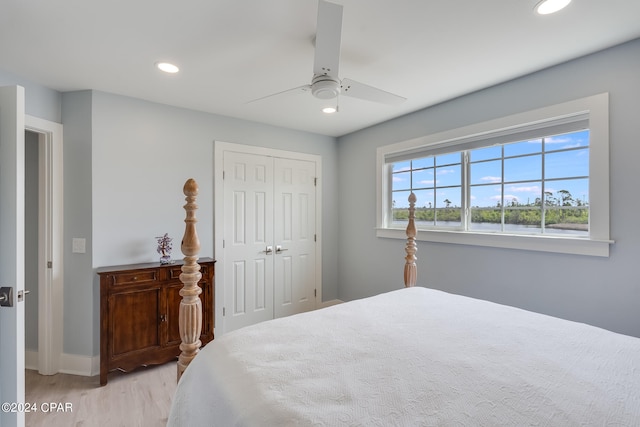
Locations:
{"points": [[543, 204], [466, 191], [502, 228]]}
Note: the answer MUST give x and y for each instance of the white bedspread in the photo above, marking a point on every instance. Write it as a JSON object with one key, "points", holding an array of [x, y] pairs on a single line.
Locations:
{"points": [[413, 357]]}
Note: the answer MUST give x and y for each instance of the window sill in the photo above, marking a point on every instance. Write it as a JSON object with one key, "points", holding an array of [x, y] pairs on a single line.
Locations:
{"points": [[564, 245]]}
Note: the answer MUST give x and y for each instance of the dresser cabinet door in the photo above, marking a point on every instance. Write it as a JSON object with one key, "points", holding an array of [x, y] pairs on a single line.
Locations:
{"points": [[134, 320]]}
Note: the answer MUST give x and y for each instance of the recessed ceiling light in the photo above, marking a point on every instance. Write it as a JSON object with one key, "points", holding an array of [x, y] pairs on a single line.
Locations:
{"points": [[546, 7], [167, 67], [329, 110]]}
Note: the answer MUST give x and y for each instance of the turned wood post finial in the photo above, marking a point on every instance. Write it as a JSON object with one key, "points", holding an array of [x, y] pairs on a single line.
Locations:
{"points": [[190, 314], [410, 268]]}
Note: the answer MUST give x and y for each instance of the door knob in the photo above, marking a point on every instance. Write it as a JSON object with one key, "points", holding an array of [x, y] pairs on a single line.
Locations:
{"points": [[6, 296], [280, 249], [268, 250]]}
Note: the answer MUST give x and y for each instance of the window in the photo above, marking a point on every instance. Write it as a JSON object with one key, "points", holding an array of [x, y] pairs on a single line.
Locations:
{"points": [[537, 180]]}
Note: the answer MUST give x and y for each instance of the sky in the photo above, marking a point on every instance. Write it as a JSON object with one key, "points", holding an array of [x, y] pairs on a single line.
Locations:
{"points": [[564, 166]]}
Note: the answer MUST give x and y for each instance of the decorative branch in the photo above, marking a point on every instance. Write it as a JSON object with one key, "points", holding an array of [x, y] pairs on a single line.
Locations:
{"points": [[410, 268], [190, 315]]}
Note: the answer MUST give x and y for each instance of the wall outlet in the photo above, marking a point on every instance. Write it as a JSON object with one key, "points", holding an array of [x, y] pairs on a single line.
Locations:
{"points": [[78, 245]]}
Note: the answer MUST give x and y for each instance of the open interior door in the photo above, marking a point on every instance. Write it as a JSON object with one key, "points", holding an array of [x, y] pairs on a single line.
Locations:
{"points": [[12, 255]]}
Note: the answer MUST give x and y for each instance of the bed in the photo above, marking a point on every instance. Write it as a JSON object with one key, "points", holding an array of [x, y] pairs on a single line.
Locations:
{"points": [[413, 356]]}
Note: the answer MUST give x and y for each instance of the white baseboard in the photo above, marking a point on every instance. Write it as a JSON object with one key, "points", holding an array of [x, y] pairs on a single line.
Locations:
{"points": [[73, 364]]}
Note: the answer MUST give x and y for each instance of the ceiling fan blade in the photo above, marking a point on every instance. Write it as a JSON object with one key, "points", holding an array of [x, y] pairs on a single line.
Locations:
{"points": [[303, 88], [369, 93], [328, 35]]}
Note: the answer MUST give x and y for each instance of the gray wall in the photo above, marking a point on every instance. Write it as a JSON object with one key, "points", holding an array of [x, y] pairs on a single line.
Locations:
{"points": [[81, 310], [40, 101], [142, 153], [600, 291]]}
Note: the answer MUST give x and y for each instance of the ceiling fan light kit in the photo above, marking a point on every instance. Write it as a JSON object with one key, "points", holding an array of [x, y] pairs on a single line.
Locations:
{"points": [[325, 87]]}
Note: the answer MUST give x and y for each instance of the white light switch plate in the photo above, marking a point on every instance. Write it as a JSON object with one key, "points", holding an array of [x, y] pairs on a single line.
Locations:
{"points": [[78, 245]]}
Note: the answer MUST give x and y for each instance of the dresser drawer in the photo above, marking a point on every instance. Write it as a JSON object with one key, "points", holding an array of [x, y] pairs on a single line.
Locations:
{"points": [[141, 276], [174, 272]]}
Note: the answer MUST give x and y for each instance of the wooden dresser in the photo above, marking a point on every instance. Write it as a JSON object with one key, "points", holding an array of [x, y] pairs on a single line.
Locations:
{"points": [[139, 306]]}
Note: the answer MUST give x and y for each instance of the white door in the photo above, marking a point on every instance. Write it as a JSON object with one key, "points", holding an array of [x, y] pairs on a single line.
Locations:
{"points": [[269, 238], [248, 239], [12, 252], [295, 235]]}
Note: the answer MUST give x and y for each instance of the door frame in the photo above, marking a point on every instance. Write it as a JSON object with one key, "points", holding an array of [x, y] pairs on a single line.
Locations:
{"points": [[218, 201], [50, 243]]}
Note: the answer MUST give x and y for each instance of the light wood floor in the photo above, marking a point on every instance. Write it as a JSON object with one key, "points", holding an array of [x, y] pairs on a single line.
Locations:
{"points": [[140, 398]]}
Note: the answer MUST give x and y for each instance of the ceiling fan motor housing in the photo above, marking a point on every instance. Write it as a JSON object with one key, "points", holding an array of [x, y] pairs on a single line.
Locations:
{"points": [[325, 87]]}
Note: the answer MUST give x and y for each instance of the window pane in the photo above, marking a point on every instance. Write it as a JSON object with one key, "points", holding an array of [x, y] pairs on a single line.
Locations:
{"points": [[525, 168], [486, 219], [400, 199], [447, 159], [425, 209], [524, 147], [486, 172], [448, 198], [448, 175], [567, 192], [569, 220], [567, 207], [425, 199], [564, 164], [523, 221], [525, 194], [425, 162], [487, 153], [567, 140], [485, 196], [423, 178], [401, 181], [401, 166]]}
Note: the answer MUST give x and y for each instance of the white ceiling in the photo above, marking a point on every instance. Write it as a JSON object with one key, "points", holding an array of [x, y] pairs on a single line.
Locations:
{"points": [[234, 51]]}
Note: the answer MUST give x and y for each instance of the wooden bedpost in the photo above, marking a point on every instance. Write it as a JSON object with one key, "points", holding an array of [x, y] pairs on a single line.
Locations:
{"points": [[410, 269], [190, 315]]}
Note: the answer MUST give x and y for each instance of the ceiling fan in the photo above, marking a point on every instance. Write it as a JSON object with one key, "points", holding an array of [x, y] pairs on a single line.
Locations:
{"points": [[326, 83]]}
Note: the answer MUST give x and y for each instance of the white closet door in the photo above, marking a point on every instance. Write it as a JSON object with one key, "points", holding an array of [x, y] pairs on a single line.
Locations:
{"points": [[248, 231], [294, 236], [269, 238]]}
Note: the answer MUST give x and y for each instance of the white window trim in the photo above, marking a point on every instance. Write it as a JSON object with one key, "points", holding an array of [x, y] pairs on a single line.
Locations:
{"points": [[597, 108]]}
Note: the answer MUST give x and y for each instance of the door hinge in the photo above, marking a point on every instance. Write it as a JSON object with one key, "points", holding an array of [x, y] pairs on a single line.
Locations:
{"points": [[315, 293], [315, 237], [49, 264], [223, 175], [224, 311]]}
